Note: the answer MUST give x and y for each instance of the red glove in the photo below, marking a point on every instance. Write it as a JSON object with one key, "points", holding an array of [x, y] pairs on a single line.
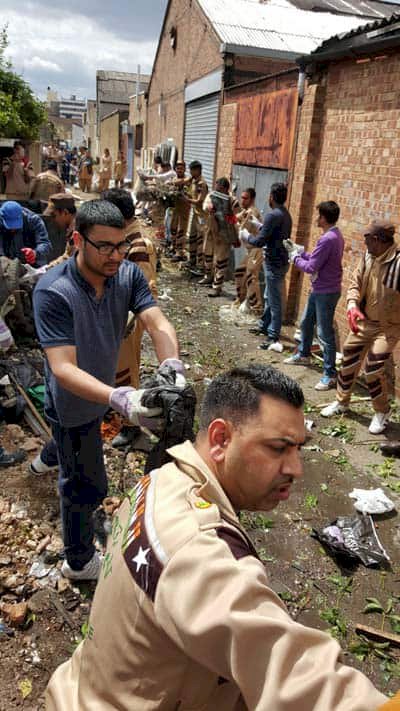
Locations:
{"points": [[29, 254], [353, 315]]}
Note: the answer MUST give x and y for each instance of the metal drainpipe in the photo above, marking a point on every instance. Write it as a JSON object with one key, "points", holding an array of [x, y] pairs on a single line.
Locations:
{"points": [[300, 90]]}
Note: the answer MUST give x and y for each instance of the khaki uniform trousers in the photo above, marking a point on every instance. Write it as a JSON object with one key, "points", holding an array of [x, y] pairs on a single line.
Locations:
{"points": [[247, 280], [377, 345], [85, 183], [179, 227], [216, 254], [129, 358], [197, 231]]}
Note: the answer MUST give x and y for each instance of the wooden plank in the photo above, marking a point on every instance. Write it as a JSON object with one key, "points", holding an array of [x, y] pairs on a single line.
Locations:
{"points": [[382, 635]]}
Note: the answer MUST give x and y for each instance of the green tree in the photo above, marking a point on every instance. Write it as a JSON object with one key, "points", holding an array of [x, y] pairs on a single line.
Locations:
{"points": [[21, 114]]}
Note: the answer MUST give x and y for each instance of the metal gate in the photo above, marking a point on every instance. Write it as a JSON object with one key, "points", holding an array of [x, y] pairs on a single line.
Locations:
{"points": [[261, 179], [201, 126]]}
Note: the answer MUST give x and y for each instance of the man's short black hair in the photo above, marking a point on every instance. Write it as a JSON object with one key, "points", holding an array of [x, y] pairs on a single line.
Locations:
{"points": [[330, 210], [195, 164], [52, 165], [278, 193], [122, 199], [223, 182], [251, 192], [157, 160], [236, 394], [97, 212]]}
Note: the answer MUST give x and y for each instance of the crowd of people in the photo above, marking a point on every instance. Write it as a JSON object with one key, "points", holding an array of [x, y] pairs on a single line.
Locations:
{"points": [[188, 596], [61, 167]]}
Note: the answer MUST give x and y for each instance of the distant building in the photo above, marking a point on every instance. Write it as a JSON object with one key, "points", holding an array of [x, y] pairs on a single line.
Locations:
{"points": [[72, 108], [113, 90]]}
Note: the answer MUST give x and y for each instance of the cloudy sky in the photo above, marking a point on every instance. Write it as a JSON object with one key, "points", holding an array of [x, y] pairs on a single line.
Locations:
{"points": [[61, 44]]}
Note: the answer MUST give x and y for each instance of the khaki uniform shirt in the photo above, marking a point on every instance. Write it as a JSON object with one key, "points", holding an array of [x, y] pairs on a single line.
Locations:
{"points": [[46, 184], [375, 287], [198, 190], [183, 617]]}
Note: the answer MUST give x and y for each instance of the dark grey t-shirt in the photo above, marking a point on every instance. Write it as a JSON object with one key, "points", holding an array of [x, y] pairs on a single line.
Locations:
{"points": [[67, 313]]}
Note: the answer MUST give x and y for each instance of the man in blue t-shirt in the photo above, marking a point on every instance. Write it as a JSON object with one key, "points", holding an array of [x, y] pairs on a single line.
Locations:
{"points": [[81, 310], [277, 226]]}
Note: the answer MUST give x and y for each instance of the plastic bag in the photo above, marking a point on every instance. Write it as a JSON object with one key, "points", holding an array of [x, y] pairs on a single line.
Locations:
{"points": [[371, 501], [355, 538]]}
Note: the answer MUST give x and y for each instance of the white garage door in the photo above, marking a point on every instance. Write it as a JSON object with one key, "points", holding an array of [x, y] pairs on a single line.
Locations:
{"points": [[201, 125]]}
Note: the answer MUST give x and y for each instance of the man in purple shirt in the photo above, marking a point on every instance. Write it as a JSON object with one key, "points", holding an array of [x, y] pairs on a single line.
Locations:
{"points": [[324, 265]]}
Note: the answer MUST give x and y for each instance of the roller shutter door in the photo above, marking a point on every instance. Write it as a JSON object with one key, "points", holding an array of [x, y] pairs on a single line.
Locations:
{"points": [[201, 126]]}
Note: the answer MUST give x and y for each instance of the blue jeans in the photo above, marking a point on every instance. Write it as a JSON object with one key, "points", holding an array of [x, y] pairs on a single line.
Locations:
{"points": [[82, 485], [320, 310], [271, 320]]}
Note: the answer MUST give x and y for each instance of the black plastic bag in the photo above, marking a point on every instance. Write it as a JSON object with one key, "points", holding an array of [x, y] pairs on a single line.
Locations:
{"points": [[355, 538]]}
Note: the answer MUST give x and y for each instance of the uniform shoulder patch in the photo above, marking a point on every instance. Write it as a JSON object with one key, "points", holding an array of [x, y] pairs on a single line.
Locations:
{"points": [[139, 555], [239, 546]]}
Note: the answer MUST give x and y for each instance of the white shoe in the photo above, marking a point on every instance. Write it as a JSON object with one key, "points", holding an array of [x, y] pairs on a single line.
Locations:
{"points": [[297, 359], [378, 422], [326, 383], [90, 571], [276, 346], [38, 467], [335, 408]]}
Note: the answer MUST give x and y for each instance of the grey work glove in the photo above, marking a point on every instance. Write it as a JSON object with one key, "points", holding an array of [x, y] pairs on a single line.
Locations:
{"points": [[179, 368], [127, 401], [293, 250]]}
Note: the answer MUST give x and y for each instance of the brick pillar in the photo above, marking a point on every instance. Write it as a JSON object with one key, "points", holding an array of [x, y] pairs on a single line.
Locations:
{"points": [[304, 181]]}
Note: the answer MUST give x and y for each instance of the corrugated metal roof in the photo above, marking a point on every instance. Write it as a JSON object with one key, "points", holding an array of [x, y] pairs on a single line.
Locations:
{"points": [[373, 9], [277, 25], [369, 27]]}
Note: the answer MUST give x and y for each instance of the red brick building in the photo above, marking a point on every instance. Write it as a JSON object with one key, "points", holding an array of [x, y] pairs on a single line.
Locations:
{"points": [[348, 144], [207, 47]]}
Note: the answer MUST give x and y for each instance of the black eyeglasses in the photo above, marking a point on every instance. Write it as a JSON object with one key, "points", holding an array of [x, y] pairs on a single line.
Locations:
{"points": [[106, 248]]}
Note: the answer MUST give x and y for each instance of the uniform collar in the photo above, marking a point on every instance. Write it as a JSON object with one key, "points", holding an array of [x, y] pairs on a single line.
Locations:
{"points": [[210, 489]]}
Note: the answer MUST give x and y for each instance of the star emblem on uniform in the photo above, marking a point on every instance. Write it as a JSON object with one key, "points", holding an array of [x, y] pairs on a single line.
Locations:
{"points": [[141, 559]]}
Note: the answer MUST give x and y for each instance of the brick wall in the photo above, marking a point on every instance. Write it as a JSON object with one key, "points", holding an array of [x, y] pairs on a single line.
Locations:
{"points": [[349, 151], [196, 54]]}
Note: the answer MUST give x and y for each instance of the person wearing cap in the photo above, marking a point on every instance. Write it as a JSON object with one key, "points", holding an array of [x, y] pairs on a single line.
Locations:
{"points": [[47, 183], [23, 235], [373, 314], [59, 218], [197, 193]]}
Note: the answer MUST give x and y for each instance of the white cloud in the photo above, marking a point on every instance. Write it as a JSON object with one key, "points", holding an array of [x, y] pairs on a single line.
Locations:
{"points": [[71, 46], [39, 63]]}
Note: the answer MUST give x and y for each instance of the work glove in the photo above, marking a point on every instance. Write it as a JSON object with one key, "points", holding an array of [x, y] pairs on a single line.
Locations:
{"points": [[127, 401], [353, 315], [256, 223], [179, 368], [244, 237], [29, 254], [293, 250]]}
